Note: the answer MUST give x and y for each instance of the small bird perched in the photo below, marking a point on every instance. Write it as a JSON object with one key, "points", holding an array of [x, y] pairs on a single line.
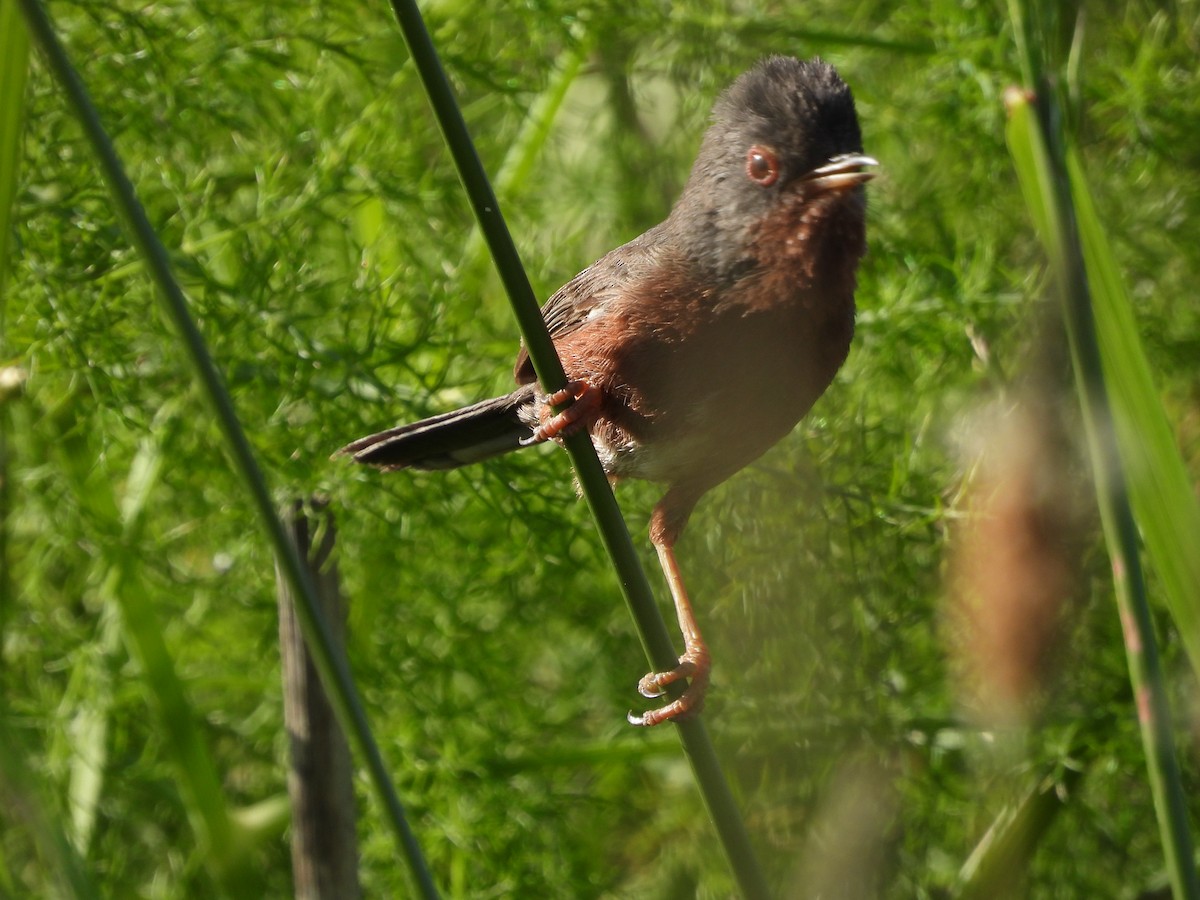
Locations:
{"points": [[697, 346]]}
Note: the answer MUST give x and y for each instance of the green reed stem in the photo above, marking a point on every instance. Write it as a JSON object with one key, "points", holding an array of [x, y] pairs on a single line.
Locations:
{"points": [[1038, 144], [597, 492], [332, 668]]}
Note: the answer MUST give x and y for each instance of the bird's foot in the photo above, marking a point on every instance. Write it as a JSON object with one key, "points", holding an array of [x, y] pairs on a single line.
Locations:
{"points": [[584, 398], [694, 666]]}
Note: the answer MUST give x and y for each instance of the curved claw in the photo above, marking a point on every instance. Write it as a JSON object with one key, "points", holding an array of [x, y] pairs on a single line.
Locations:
{"points": [[584, 399], [649, 691], [657, 716], [690, 704], [655, 684], [693, 665]]}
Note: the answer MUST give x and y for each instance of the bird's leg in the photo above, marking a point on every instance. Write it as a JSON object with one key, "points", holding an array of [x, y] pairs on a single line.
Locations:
{"points": [[586, 401], [695, 663]]}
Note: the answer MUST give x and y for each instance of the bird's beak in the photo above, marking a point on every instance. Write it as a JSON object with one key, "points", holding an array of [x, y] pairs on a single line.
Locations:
{"points": [[841, 173]]}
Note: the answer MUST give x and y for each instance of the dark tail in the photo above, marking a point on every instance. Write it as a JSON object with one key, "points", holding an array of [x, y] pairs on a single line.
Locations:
{"points": [[452, 439]]}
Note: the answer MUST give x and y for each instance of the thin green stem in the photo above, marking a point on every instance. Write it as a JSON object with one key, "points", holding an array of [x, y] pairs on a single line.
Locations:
{"points": [[335, 674], [1037, 140], [594, 483], [14, 70], [1141, 647]]}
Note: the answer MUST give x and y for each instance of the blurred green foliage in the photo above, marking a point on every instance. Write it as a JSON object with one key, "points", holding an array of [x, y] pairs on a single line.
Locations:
{"points": [[286, 153]]}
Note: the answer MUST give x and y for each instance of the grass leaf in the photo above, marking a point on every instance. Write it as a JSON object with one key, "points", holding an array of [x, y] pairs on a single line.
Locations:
{"points": [[1163, 496]]}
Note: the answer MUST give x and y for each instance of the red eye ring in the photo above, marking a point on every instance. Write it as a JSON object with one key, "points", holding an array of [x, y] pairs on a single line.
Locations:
{"points": [[761, 166]]}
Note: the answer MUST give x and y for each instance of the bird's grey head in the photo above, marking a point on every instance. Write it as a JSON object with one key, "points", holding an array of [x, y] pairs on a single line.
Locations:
{"points": [[783, 127]]}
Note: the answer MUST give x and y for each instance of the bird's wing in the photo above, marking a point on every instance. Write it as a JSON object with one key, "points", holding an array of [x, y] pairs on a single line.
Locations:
{"points": [[590, 293]]}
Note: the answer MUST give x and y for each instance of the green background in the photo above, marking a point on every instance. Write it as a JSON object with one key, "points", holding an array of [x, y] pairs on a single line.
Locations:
{"points": [[287, 156]]}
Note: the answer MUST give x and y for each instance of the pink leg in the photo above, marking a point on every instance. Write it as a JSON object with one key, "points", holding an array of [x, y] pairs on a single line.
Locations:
{"points": [[586, 401], [695, 663]]}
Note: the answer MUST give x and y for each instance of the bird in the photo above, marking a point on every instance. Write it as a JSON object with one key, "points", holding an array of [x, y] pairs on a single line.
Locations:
{"points": [[694, 348]]}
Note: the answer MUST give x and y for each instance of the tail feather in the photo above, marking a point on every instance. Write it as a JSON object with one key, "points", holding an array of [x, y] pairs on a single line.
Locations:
{"points": [[450, 440]]}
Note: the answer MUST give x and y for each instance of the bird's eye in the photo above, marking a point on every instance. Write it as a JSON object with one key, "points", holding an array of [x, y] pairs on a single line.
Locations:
{"points": [[761, 166]]}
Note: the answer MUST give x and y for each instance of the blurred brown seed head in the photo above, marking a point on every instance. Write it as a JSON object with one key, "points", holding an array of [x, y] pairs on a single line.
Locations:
{"points": [[1015, 559]]}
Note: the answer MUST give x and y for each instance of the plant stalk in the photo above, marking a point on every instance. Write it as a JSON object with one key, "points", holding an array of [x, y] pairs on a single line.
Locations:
{"points": [[651, 627], [335, 674]]}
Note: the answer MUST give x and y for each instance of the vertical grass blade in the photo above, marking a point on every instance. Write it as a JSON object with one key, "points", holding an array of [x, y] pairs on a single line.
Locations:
{"points": [[21, 806], [84, 743], [122, 589], [652, 630], [1163, 497], [335, 675], [1036, 142], [126, 599], [14, 69]]}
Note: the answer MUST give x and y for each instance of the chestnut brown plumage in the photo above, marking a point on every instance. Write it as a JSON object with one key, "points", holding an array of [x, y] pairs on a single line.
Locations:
{"points": [[698, 345]]}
